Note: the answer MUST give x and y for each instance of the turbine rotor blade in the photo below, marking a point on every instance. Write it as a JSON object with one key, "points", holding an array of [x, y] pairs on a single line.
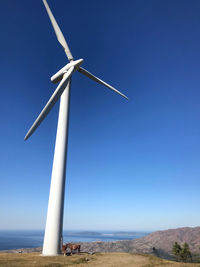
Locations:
{"points": [[58, 32], [53, 99], [91, 76]]}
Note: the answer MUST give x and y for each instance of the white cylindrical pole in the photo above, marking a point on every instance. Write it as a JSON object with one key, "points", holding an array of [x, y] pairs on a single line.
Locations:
{"points": [[54, 222]]}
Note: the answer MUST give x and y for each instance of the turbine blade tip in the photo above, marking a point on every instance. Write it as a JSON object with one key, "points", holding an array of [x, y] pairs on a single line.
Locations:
{"points": [[27, 136]]}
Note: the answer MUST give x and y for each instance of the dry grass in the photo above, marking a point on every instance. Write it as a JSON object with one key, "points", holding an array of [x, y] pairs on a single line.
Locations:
{"points": [[97, 260]]}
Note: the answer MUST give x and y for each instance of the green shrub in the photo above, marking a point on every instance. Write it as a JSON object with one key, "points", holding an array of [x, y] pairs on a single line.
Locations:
{"points": [[182, 253]]}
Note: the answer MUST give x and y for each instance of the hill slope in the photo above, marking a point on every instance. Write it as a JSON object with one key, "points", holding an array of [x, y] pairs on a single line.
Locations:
{"points": [[161, 240]]}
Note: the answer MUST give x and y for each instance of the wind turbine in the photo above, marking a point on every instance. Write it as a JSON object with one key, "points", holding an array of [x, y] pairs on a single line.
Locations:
{"points": [[54, 222]]}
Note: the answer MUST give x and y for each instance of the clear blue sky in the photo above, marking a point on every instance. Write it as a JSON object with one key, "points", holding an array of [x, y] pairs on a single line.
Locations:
{"points": [[132, 165]]}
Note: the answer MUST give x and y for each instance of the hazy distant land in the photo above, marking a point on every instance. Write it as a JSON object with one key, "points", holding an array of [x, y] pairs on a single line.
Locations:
{"points": [[94, 233]]}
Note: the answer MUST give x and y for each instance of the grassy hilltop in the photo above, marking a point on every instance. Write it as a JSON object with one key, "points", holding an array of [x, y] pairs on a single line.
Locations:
{"points": [[99, 259]]}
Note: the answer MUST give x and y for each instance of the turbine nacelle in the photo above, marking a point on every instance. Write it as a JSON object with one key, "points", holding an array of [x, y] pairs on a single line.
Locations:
{"points": [[59, 75]]}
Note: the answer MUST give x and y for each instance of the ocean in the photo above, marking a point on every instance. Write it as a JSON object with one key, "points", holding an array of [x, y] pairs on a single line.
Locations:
{"points": [[16, 239]]}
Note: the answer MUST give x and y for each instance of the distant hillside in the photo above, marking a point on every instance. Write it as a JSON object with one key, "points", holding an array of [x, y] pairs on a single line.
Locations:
{"points": [[165, 239], [162, 241]]}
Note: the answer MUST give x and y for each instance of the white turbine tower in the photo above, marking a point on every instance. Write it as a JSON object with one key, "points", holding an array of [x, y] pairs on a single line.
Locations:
{"points": [[54, 222]]}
